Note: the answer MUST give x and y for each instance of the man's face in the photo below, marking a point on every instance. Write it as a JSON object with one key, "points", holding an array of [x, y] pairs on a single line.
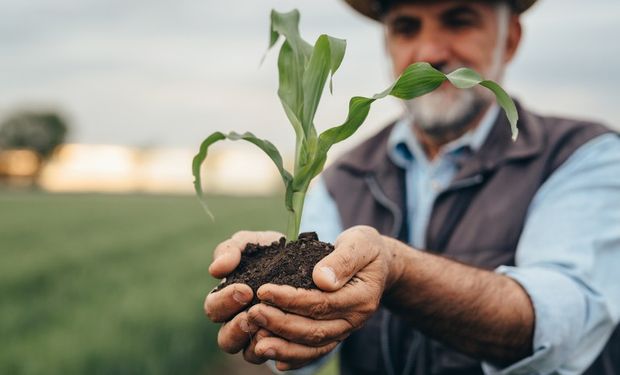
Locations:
{"points": [[448, 34]]}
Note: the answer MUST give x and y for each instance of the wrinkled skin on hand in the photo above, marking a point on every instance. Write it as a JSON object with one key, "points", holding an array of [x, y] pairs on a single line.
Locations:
{"points": [[297, 326]]}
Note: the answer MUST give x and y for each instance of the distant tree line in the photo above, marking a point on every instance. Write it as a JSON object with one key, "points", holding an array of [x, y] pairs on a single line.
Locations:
{"points": [[39, 131]]}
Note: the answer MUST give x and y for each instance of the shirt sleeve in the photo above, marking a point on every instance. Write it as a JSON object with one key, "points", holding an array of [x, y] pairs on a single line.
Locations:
{"points": [[567, 261], [320, 215]]}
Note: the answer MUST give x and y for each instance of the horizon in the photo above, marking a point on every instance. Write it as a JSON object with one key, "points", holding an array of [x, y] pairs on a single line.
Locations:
{"points": [[166, 75]]}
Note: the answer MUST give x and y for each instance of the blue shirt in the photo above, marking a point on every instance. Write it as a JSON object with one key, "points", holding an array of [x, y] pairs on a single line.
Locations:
{"points": [[568, 255]]}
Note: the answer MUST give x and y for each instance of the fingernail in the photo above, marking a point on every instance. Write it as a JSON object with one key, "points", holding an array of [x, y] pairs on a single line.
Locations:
{"points": [[259, 318], [245, 327], [264, 295], [329, 273], [240, 297], [270, 353]]}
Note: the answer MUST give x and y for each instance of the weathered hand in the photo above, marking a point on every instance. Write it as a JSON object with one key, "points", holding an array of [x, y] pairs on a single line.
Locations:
{"points": [[226, 305], [306, 324]]}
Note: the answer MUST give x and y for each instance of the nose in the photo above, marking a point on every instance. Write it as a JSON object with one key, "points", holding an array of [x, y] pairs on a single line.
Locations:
{"points": [[432, 48]]}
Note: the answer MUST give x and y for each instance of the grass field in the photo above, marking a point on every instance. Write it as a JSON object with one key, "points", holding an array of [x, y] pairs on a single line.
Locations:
{"points": [[113, 284]]}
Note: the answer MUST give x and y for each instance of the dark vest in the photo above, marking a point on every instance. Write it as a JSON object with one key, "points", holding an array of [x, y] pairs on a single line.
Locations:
{"points": [[477, 220]]}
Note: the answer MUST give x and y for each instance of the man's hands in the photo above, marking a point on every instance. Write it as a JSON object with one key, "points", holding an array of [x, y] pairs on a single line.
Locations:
{"points": [[310, 323], [479, 312], [296, 326], [226, 305]]}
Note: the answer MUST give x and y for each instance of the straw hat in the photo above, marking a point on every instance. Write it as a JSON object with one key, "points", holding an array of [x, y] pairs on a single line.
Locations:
{"points": [[372, 8]]}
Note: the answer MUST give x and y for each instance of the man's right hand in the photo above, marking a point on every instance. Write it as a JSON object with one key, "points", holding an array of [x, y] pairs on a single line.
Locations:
{"points": [[226, 306]]}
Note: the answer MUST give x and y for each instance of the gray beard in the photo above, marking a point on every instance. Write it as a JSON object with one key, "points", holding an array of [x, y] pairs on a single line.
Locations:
{"points": [[445, 116]]}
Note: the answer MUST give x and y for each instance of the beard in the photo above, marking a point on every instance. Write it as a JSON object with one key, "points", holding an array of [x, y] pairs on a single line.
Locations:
{"points": [[447, 111]]}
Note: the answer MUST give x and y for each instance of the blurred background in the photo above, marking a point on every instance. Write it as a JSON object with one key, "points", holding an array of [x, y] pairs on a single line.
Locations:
{"points": [[103, 248]]}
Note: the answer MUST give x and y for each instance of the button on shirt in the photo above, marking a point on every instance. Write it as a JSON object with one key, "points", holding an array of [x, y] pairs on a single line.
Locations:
{"points": [[568, 254]]}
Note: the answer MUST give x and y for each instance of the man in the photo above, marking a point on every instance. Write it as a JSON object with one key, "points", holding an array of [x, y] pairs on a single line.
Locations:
{"points": [[514, 246]]}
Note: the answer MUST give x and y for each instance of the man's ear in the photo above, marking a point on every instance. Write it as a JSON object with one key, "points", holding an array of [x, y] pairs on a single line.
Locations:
{"points": [[514, 37]]}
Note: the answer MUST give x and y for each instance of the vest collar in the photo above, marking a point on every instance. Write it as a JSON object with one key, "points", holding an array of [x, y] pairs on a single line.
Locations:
{"points": [[403, 145], [497, 150]]}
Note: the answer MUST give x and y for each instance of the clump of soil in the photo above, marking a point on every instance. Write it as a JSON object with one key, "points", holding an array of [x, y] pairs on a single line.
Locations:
{"points": [[280, 263]]}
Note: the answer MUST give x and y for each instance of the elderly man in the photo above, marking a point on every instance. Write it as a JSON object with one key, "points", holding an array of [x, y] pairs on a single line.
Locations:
{"points": [[463, 253]]}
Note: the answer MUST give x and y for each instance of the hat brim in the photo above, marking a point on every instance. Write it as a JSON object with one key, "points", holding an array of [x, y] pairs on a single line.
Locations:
{"points": [[372, 8]]}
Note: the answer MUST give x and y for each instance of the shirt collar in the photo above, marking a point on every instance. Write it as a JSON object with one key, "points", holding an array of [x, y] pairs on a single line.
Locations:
{"points": [[403, 146]]}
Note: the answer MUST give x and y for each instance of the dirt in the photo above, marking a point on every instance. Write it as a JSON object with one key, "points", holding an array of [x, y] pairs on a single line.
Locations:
{"points": [[280, 263]]}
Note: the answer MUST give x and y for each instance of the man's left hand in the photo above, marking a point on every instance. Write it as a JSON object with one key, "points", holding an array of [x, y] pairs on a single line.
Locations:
{"points": [[311, 323]]}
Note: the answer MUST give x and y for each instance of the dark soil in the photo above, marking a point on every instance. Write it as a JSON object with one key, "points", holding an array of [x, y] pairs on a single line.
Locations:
{"points": [[280, 263]]}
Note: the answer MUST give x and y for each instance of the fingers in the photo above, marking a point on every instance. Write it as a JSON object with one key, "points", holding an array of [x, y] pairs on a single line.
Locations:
{"points": [[261, 238], [249, 352], [224, 304], [227, 254], [310, 303], [354, 249], [297, 328], [236, 334], [354, 302], [294, 355], [226, 257]]}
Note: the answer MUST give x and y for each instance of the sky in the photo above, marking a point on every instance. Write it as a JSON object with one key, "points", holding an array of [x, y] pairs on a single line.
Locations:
{"points": [[163, 73]]}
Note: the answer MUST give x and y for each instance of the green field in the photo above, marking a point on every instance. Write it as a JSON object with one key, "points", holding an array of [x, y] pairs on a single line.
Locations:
{"points": [[113, 284]]}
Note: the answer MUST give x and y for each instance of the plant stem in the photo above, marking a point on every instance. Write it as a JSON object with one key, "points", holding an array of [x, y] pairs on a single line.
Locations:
{"points": [[294, 221]]}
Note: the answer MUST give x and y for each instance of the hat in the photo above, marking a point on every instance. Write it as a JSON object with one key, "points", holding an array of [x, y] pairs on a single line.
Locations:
{"points": [[372, 8]]}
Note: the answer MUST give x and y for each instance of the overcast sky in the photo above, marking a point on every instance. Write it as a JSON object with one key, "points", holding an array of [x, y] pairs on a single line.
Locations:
{"points": [[168, 73]]}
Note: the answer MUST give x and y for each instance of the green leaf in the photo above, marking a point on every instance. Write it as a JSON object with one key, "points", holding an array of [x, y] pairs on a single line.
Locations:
{"points": [[303, 73], [290, 90], [466, 78], [504, 100], [418, 79], [321, 65], [359, 107], [264, 145], [292, 61], [294, 56], [287, 25], [338, 48]]}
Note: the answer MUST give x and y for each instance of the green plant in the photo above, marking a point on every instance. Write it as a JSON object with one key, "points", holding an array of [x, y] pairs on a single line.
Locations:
{"points": [[303, 73]]}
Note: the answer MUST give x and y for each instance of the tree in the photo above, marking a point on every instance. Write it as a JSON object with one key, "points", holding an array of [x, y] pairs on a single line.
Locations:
{"points": [[39, 131]]}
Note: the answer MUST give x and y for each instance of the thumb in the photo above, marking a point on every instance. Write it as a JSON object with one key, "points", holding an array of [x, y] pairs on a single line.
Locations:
{"points": [[353, 250]]}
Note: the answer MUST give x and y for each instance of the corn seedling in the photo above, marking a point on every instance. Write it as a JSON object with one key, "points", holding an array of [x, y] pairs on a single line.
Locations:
{"points": [[304, 71]]}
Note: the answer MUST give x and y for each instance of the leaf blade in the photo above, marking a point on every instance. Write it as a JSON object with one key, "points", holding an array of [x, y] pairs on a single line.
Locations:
{"points": [[464, 78], [327, 55], [263, 144], [507, 104], [418, 79]]}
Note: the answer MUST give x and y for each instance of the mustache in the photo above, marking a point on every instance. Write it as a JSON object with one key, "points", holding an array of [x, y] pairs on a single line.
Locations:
{"points": [[446, 68]]}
